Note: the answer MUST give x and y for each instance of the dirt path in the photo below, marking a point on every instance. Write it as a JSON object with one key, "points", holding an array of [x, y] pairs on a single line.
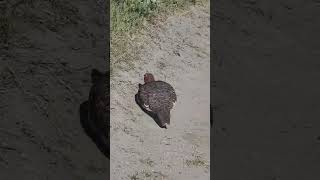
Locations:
{"points": [[177, 52]]}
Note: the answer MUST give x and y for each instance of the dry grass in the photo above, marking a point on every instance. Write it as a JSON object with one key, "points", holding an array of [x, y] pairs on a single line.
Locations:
{"points": [[128, 20]]}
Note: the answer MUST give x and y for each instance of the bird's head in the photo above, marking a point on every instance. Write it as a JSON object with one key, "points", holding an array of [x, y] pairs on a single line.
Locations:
{"points": [[148, 77]]}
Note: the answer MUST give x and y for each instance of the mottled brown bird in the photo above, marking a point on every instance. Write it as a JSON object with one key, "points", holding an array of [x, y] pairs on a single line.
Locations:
{"points": [[156, 98]]}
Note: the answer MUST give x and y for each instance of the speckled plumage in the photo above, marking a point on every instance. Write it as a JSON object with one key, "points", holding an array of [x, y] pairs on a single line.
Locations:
{"points": [[157, 97]]}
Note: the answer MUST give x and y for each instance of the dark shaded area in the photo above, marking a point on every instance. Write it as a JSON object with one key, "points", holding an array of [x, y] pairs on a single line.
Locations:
{"points": [[266, 68], [95, 115], [92, 131], [47, 51], [211, 116]]}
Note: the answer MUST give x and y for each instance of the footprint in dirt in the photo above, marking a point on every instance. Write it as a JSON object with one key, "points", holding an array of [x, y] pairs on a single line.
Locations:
{"points": [[95, 114]]}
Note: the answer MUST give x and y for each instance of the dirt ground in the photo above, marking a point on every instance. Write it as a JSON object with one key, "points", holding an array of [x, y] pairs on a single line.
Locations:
{"points": [[176, 51], [45, 65], [267, 90]]}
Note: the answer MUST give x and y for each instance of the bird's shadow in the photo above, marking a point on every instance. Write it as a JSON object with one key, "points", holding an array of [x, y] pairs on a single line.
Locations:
{"points": [[151, 114], [92, 131]]}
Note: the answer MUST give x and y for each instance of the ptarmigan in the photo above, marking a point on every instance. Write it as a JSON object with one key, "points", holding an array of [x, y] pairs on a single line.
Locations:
{"points": [[156, 98]]}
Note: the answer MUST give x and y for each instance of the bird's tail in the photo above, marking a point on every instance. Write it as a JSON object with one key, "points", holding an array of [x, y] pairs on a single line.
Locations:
{"points": [[163, 117]]}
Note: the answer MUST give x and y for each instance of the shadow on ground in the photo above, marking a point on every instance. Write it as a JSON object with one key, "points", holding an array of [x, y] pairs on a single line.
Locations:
{"points": [[90, 131], [94, 113]]}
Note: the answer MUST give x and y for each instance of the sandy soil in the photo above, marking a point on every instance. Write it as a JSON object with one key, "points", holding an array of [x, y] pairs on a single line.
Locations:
{"points": [[44, 77], [176, 51]]}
